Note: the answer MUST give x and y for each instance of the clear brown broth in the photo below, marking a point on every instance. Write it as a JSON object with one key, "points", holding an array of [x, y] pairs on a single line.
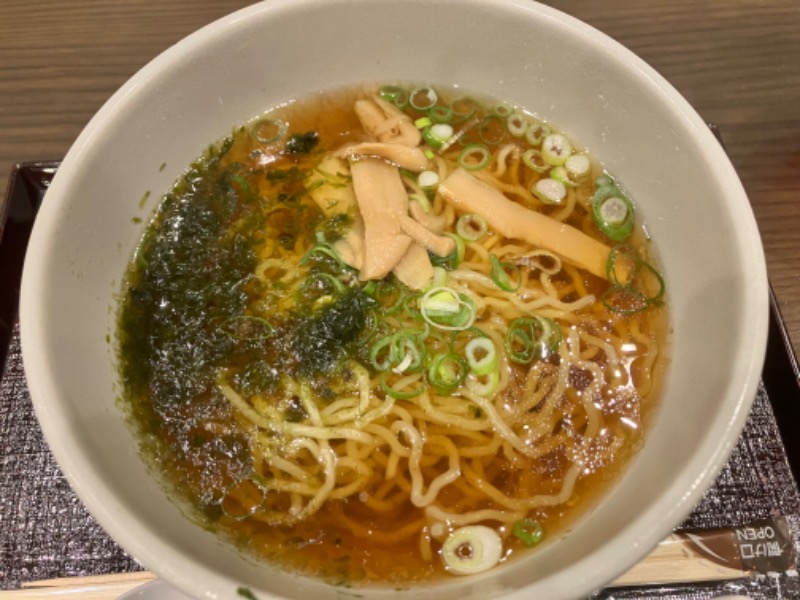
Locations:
{"points": [[193, 436]]}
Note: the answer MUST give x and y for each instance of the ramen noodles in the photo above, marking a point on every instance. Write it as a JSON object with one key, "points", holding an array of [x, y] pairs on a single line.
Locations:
{"points": [[390, 333]]}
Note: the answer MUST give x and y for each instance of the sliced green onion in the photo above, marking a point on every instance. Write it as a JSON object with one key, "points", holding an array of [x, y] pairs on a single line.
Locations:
{"points": [[561, 174], [472, 549], [447, 372], [503, 110], [492, 130], [391, 296], [370, 288], [394, 94], [380, 355], [474, 157], [626, 269], [481, 355], [421, 199], [423, 122], [532, 159], [439, 277], [529, 531], [429, 154], [440, 113], [612, 212], [537, 132], [436, 135], [556, 149], [243, 184], [530, 338], [624, 300], [410, 305], [268, 131], [318, 288], [247, 328], [579, 167], [409, 352], [423, 98], [471, 227], [463, 108], [401, 352], [428, 179], [452, 260], [444, 308], [325, 249], [604, 180], [517, 125], [549, 191], [499, 274], [442, 301]]}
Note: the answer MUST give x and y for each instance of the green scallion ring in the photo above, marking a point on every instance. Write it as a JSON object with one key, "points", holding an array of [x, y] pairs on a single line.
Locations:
{"points": [[481, 355], [248, 328], [394, 94], [316, 287], [503, 110], [437, 134], [532, 159], [446, 309], [268, 131], [377, 351], [452, 260], [408, 352], [474, 157], [463, 108], [447, 371], [440, 113], [604, 180], [536, 132], [471, 227], [531, 338], [528, 531], [325, 249], [492, 130], [556, 149], [623, 256], [499, 274], [624, 300], [519, 342], [423, 98], [561, 174], [517, 124], [549, 190], [612, 213], [578, 167]]}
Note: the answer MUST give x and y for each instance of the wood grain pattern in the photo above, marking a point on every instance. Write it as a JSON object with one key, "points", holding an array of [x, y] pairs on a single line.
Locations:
{"points": [[736, 61]]}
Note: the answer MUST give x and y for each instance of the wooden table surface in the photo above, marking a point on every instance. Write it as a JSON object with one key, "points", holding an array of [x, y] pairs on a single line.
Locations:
{"points": [[736, 61]]}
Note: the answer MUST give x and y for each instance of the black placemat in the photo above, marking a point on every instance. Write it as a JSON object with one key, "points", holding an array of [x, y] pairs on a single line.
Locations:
{"points": [[45, 531]]}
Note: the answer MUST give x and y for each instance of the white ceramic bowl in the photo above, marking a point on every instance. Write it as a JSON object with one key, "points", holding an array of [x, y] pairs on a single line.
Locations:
{"points": [[600, 93]]}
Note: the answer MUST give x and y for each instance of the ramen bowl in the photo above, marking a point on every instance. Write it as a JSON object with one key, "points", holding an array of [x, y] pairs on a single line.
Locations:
{"points": [[627, 115]]}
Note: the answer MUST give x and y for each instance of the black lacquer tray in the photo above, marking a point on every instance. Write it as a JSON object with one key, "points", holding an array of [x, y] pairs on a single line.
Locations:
{"points": [[45, 532]]}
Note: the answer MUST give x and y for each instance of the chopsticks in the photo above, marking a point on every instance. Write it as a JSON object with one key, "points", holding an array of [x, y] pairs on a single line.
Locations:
{"points": [[94, 587], [690, 556]]}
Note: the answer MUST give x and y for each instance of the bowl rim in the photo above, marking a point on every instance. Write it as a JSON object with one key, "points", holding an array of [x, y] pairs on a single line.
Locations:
{"points": [[99, 500]]}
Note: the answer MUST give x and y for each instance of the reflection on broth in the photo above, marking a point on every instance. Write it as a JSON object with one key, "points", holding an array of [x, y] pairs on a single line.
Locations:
{"points": [[387, 333]]}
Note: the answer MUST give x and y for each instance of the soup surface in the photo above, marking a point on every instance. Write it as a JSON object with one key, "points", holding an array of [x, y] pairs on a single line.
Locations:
{"points": [[383, 334]]}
